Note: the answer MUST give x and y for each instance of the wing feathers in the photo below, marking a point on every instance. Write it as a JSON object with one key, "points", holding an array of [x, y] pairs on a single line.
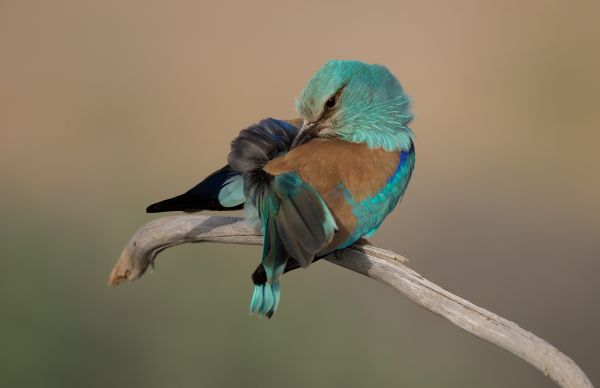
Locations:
{"points": [[303, 221], [206, 194]]}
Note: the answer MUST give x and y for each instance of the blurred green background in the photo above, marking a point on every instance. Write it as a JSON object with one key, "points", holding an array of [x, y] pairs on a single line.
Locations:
{"points": [[108, 106]]}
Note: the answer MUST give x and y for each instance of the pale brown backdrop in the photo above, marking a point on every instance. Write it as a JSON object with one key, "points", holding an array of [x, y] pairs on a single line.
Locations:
{"points": [[106, 106]]}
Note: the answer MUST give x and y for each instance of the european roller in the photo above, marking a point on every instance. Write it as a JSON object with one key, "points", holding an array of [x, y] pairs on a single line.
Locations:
{"points": [[318, 183]]}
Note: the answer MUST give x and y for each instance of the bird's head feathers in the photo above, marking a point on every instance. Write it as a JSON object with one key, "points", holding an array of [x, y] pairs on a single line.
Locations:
{"points": [[357, 102]]}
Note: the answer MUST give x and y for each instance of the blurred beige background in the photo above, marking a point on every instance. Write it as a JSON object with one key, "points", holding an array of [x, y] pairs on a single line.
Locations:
{"points": [[107, 106]]}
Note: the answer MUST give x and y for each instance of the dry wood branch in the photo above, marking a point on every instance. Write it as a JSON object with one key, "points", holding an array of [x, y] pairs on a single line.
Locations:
{"points": [[376, 263]]}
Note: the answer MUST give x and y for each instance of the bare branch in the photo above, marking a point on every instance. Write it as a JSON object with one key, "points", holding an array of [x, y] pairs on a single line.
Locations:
{"points": [[376, 263]]}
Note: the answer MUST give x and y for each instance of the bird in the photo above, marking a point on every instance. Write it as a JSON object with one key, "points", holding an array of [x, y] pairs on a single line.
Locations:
{"points": [[318, 183]]}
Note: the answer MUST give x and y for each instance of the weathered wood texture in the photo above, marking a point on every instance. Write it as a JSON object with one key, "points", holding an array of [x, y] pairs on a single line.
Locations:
{"points": [[379, 264]]}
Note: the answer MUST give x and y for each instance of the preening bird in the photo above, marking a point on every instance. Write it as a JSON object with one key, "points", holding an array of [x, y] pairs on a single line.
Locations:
{"points": [[318, 183]]}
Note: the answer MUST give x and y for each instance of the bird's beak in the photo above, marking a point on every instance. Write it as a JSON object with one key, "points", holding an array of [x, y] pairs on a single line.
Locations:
{"points": [[306, 132]]}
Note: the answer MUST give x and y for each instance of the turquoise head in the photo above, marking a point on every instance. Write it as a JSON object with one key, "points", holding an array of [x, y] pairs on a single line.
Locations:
{"points": [[356, 102]]}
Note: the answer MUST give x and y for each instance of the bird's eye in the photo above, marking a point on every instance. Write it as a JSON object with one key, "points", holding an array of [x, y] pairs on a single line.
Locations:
{"points": [[330, 103]]}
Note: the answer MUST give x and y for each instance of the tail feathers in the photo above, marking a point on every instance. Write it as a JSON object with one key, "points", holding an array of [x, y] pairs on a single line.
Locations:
{"points": [[265, 299], [222, 190], [297, 224]]}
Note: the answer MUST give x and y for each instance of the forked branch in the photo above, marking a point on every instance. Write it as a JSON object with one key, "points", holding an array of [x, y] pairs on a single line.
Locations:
{"points": [[376, 263]]}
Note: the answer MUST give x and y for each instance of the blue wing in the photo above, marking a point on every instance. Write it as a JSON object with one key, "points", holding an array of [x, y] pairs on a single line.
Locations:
{"points": [[224, 189], [296, 221]]}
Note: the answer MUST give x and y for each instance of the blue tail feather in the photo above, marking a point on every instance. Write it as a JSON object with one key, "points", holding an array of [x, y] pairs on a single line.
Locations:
{"points": [[265, 299]]}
